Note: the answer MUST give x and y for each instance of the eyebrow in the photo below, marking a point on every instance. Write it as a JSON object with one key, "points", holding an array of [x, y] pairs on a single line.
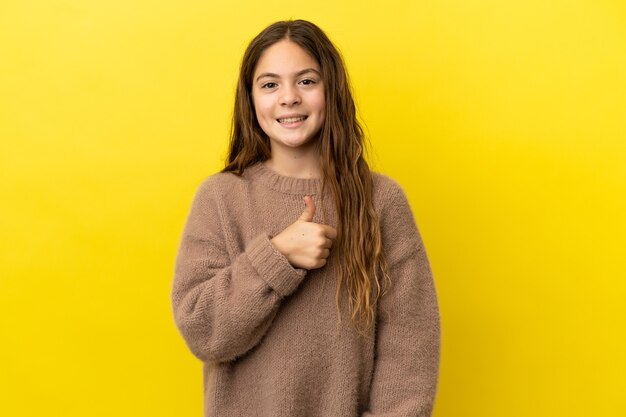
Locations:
{"points": [[299, 73]]}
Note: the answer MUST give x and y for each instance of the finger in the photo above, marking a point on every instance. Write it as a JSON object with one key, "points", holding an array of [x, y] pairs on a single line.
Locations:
{"points": [[330, 231], [328, 243], [325, 253], [309, 211]]}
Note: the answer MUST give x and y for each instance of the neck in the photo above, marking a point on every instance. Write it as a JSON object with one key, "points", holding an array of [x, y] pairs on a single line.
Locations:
{"points": [[297, 163]]}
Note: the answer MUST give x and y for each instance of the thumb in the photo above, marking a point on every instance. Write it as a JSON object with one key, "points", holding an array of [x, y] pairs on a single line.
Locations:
{"points": [[309, 211]]}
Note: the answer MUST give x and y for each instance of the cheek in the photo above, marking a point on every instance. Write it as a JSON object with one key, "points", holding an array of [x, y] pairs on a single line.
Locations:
{"points": [[262, 111], [320, 101], [321, 106]]}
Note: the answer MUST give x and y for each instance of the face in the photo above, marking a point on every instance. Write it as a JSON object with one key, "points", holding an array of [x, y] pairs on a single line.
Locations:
{"points": [[288, 96]]}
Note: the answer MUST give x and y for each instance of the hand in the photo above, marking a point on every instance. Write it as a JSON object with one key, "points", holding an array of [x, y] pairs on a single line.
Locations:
{"points": [[306, 244]]}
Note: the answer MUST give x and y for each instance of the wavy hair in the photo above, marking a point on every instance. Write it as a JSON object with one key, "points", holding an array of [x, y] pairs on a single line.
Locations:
{"points": [[361, 263]]}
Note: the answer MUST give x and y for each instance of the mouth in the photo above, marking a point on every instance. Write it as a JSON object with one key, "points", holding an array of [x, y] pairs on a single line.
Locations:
{"points": [[291, 120]]}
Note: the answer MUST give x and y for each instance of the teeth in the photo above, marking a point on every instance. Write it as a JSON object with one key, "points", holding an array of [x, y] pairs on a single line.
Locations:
{"points": [[291, 119]]}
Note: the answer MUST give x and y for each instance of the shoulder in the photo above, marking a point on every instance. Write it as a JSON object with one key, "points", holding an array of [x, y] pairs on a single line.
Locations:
{"points": [[219, 185], [213, 191], [383, 182], [392, 203], [207, 206], [386, 191], [398, 224]]}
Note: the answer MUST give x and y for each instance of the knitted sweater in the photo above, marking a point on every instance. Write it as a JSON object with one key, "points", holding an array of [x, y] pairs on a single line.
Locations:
{"points": [[268, 333]]}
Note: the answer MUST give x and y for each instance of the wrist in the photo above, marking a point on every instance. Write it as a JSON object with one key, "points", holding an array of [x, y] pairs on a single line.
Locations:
{"points": [[276, 242]]}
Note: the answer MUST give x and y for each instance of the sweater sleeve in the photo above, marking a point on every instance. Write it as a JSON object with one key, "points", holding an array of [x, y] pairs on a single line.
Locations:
{"points": [[406, 369], [222, 307]]}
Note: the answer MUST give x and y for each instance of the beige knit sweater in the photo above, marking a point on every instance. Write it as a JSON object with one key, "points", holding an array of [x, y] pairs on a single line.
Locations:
{"points": [[268, 333]]}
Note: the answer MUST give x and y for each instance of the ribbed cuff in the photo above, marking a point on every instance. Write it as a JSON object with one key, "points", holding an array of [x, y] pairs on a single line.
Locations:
{"points": [[273, 267]]}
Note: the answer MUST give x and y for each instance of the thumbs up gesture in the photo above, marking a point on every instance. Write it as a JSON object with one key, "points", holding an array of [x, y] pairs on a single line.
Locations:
{"points": [[306, 244]]}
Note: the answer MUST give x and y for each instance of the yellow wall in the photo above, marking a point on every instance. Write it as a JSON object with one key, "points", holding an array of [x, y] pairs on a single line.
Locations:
{"points": [[504, 121]]}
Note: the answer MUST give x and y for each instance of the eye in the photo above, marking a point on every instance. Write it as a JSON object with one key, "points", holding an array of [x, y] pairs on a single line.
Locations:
{"points": [[268, 85], [308, 81]]}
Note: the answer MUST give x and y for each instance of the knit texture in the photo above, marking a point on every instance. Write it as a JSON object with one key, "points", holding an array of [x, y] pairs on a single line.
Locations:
{"points": [[268, 334]]}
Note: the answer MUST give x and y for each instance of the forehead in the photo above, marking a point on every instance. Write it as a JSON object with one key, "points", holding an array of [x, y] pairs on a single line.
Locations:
{"points": [[284, 57]]}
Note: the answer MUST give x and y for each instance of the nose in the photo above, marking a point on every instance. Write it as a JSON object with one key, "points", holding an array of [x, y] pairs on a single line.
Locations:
{"points": [[289, 96]]}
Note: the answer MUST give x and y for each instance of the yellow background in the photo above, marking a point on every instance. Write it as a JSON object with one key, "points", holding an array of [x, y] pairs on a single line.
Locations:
{"points": [[503, 120]]}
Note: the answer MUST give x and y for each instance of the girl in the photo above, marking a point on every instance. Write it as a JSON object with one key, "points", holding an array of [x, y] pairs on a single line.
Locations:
{"points": [[301, 281]]}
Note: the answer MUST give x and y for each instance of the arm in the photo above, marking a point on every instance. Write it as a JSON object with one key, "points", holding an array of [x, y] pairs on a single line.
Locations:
{"points": [[408, 328], [222, 306]]}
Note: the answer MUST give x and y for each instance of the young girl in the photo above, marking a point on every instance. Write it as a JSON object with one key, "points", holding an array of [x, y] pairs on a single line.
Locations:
{"points": [[302, 282]]}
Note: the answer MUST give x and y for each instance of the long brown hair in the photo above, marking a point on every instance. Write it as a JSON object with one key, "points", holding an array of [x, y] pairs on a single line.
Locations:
{"points": [[360, 262]]}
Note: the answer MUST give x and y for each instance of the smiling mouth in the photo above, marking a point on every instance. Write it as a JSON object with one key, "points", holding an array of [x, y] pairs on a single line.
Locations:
{"points": [[288, 120]]}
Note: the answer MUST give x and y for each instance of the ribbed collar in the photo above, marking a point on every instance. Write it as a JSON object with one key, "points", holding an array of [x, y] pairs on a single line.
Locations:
{"points": [[259, 172]]}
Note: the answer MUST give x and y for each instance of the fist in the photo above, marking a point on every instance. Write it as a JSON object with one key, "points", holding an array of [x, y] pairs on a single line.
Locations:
{"points": [[306, 244]]}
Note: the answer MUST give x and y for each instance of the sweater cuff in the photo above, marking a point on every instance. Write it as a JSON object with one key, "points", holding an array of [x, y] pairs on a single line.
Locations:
{"points": [[273, 267]]}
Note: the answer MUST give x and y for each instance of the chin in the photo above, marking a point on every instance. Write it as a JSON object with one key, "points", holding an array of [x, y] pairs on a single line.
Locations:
{"points": [[295, 143]]}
